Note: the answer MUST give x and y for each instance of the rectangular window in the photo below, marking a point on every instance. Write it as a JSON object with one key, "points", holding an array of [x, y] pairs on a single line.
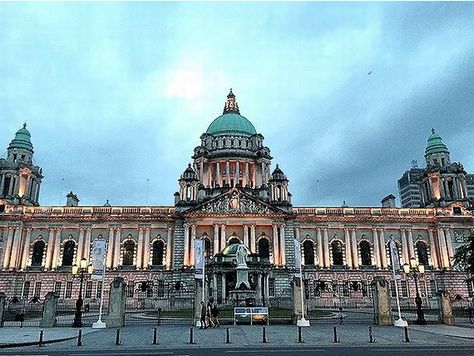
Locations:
{"points": [[37, 289], [99, 289], [26, 289], [404, 288], [393, 292], [160, 289], [68, 293], [88, 289], [271, 287], [130, 291], [57, 288]]}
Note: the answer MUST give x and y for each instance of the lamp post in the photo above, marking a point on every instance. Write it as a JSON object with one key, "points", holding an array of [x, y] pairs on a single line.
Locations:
{"points": [[80, 270], [415, 270]]}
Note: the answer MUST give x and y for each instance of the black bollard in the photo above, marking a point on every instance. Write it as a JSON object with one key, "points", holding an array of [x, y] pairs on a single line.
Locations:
{"points": [[191, 336], [155, 336], [407, 338], [371, 339], [79, 338], [335, 339], [40, 344], [300, 337], [117, 337], [227, 336], [264, 336]]}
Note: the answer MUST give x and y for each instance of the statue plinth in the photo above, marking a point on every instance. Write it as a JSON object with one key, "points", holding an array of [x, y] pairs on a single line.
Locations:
{"points": [[242, 277]]}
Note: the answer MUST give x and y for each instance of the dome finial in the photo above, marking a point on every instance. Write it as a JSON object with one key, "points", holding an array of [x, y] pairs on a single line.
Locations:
{"points": [[231, 105], [24, 125], [432, 130]]}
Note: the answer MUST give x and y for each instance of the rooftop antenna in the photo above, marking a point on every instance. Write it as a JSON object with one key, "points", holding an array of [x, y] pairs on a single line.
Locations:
{"points": [[319, 189], [62, 191]]}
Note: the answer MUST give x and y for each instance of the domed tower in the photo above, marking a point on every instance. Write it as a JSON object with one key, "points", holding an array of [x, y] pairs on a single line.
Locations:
{"points": [[20, 179], [443, 182], [278, 187], [188, 187]]}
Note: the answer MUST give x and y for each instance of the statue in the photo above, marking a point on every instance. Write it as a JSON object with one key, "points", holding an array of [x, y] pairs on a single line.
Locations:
{"points": [[241, 256]]}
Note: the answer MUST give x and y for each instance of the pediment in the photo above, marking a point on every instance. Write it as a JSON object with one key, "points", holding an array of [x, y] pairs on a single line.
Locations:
{"points": [[235, 202]]}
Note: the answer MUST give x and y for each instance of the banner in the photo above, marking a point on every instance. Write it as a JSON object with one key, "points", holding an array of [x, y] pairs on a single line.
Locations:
{"points": [[397, 273], [297, 257], [198, 258], [98, 259]]}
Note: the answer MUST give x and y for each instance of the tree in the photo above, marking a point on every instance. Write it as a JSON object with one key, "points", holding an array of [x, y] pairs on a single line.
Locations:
{"points": [[464, 255]]}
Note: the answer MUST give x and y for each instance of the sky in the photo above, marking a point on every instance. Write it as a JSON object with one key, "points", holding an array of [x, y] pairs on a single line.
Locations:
{"points": [[116, 95]]}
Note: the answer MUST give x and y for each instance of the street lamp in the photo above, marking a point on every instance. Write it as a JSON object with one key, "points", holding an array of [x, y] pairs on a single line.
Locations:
{"points": [[80, 270], [415, 270]]}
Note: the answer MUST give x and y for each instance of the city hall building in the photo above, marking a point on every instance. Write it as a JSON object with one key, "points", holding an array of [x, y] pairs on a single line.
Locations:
{"points": [[231, 194]]}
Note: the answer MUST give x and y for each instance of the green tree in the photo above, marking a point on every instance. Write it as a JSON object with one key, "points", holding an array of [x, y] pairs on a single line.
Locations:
{"points": [[464, 255]]}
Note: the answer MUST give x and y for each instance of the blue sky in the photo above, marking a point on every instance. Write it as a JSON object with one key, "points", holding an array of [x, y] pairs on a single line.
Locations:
{"points": [[118, 93]]}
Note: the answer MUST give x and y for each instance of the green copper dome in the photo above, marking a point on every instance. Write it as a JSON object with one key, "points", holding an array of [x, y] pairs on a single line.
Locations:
{"points": [[231, 121], [435, 144], [232, 249], [22, 140]]}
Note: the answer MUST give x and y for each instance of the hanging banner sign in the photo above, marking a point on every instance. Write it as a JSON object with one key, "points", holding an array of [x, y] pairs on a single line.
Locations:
{"points": [[297, 257], [98, 259], [397, 273], [198, 258]]}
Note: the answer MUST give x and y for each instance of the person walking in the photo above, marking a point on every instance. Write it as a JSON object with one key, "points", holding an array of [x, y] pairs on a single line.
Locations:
{"points": [[214, 314], [210, 322], [203, 316]]}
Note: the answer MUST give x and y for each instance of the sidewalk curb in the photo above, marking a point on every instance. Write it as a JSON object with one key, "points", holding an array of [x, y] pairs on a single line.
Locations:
{"points": [[33, 343]]}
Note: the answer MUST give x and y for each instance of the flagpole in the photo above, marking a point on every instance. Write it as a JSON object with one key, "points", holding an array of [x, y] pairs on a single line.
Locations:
{"points": [[297, 247]]}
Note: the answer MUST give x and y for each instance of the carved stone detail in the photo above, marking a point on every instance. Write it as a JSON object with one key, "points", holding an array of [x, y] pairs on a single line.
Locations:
{"points": [[233, 203]]}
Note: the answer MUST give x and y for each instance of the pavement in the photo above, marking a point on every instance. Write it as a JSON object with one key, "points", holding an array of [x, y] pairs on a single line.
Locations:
{"points": [[240, 337]]}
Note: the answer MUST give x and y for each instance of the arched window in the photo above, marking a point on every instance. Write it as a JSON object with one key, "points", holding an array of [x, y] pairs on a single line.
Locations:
{"points": [[68, 253], [337, 259], [188, 192], [128, 252], [234, 240], [422, 252], [308, 248], [158, 247], [264, 248], [38, 252], [365, 258]]}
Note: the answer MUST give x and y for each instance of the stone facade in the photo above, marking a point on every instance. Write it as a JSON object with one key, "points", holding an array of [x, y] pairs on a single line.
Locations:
{"points": [[228, 195]]}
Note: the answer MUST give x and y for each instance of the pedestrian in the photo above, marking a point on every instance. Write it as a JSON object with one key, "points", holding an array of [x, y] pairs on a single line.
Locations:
{"points": [[203, 316], [341, 316], [209, 315], [215, 314]]}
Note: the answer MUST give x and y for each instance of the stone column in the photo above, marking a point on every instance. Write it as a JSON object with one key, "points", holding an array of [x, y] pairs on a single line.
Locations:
{"points": [[186, 245], [191, 247], [49, 249], [443, 249], [297, 312], [355, 254], [80, 245], [50, 306], [246, 235], [376, 248], [319, 241], [214, 287], [247, 175], [227, 172], [449, 245], [446, 315], [146, 248], [116, 316], [17, 235], [169, 250], [253, 244], [258, 290], [381, 301], [434, 254], [87, 244], [405, 251], [327, 262], [282, 246], [26, 250], [347, 245], [110, 249], [223, 237], [56, 249], [117, 244], [3, 306], [276, 259], [7, 248], [383, 249], [140, 249], [410, 243], [223, 280], [216, 239]]}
